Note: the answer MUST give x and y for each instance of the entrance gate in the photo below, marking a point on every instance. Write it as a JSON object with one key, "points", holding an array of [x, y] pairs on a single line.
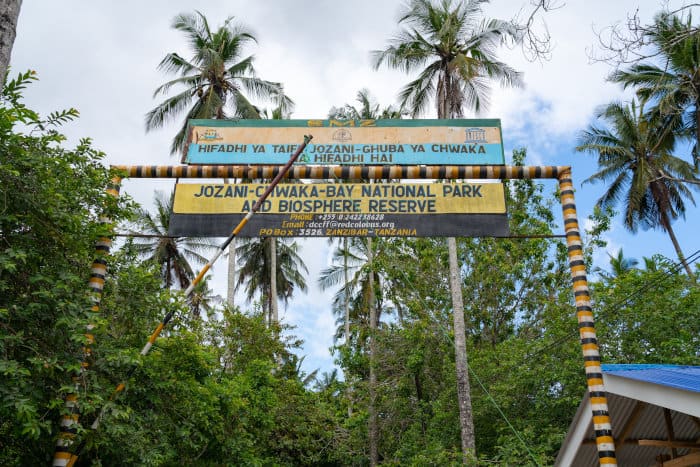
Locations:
{"points": [[588, 340]]}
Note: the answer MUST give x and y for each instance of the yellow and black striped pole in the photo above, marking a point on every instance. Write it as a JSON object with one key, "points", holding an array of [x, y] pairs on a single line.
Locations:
{"points": [[589, 342], [166, 319], [346, 172], [98, 270]]}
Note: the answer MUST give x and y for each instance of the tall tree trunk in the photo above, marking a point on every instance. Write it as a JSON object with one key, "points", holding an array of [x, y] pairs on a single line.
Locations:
{"points": [[9, 12], [373, 429], [347, 316], [464, 400], [347, 298], [667, 226], [231, 280], [274, 315]]}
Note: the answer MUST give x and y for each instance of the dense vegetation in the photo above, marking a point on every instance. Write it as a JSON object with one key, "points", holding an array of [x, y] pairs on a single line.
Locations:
{"points": [[224, 386]]}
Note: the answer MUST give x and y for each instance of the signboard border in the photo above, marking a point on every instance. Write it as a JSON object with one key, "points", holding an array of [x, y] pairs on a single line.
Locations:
{"points": [[337, 123]]}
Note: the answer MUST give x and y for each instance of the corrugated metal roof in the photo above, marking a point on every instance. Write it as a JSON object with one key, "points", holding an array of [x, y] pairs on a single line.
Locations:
{"points": [[675, 376], [649, 423]]}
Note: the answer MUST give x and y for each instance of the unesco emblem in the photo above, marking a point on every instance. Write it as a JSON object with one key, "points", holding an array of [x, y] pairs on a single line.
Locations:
{"points": [[475, 135]]}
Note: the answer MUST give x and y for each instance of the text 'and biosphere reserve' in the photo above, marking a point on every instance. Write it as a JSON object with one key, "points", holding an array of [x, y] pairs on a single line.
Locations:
{"points": [[342, 209]]}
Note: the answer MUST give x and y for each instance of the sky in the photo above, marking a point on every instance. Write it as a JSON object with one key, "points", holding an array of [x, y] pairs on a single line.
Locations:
{"points": [[101, 58]]}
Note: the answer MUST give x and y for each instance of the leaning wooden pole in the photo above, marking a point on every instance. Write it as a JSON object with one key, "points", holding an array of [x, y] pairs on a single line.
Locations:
{"points": [[98, 270], [589, 342]]}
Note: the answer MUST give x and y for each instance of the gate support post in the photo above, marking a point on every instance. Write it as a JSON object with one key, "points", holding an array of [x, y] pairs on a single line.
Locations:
{"points": [[70, 418], [584, 312]]}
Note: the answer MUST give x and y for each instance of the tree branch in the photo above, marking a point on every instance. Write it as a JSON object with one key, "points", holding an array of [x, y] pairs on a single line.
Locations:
{"points": [[531, 32], [628, 42]]}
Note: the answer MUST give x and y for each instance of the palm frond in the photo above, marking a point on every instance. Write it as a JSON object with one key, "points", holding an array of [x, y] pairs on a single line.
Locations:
{"points": [[260, 88], [173, 63], [168, 110], [416, 95], [192, 83]]}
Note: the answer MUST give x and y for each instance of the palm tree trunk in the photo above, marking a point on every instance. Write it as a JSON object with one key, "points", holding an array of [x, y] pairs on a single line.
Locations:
{"points": [[347, 316], [464, 399], [347, 298], [274, 315], [168, 278], [373, 429], [231, 281], [461, 366], [9, 12], [667, 226]]}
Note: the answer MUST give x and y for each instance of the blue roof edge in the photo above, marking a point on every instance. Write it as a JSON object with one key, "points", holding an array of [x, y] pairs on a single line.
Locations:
{"points": [[641, 366], [684, 377]]}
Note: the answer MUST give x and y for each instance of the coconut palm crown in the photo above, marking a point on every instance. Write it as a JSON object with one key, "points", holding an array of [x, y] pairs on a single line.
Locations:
{"points": [[213, 82], [455, 52], [635, 158], [254, 273], [174, 255]]}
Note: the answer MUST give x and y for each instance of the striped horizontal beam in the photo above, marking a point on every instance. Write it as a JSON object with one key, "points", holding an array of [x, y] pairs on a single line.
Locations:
{"points": [[498, 172]]}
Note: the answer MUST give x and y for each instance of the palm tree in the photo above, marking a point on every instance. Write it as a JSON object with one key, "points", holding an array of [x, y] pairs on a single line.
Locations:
{"points": [[173, 254], [674, 86], [634, 155], [369, 109], [455, 54], [202, 298], [619, 265], [327, 381], [254, 258], [282, 111], [218, 75], [214, 80], [351, 266]]}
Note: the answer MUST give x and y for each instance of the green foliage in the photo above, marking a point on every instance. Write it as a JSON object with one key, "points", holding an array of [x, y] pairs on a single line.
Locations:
{"points": [[669, 81], [649, 316], [205, 395], [51, 198]]}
